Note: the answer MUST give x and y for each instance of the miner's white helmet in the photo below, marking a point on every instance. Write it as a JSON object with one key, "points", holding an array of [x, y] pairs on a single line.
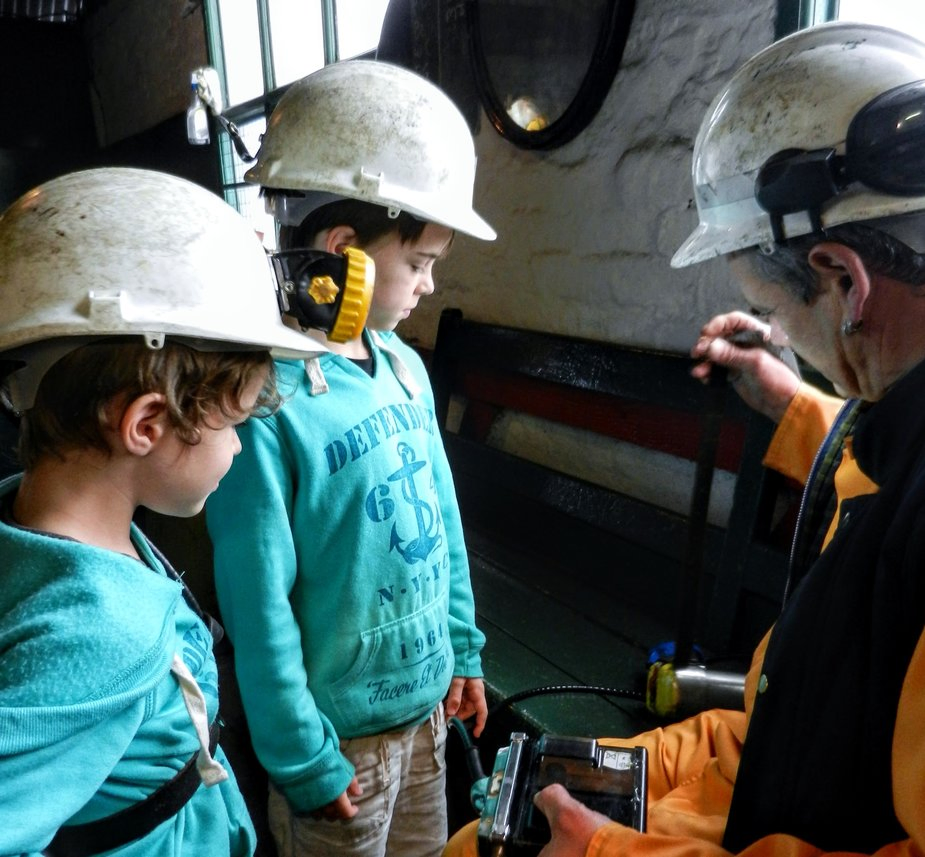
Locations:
{"points": [[824, 127], [371, 131], [129, 252]]}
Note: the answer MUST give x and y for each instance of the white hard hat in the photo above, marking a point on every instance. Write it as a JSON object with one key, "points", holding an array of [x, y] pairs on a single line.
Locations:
{"points": [[128, 251], [118, 251], [823, 127], [371, 131]]}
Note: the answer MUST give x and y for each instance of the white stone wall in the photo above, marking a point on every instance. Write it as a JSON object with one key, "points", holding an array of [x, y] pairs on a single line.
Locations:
{"points": [[586, 231]]}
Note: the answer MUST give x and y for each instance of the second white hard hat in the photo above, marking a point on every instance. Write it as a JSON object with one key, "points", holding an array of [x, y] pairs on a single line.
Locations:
{"points": [[370, 131]]}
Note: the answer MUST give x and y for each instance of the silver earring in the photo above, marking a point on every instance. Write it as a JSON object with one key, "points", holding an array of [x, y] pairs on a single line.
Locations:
{"points": [[850, 327]]}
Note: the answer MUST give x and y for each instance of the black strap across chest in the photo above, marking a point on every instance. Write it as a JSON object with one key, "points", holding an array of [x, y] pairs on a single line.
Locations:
{"points": [[138, 820], [133, 822]]}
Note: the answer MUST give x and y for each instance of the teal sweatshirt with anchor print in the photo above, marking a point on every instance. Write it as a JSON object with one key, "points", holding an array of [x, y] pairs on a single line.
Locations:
{"points": [[340, 565]]}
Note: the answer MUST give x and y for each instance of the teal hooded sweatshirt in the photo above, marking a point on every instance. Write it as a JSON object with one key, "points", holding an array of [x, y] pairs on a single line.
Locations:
{"points": [[92, 720], [340, 564]]}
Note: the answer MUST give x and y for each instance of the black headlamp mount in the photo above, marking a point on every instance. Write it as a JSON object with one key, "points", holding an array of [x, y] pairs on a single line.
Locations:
{"points": [[884, 151], [795, 180], [325, 291]]}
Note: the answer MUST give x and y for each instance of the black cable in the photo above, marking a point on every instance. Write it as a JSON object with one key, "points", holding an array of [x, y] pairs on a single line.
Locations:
{"points": [[567, 688], [473, 760]]}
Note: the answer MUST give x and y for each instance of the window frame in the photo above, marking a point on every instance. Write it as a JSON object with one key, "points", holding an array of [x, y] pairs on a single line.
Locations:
{"points": [[263, 105], [793, 15]]}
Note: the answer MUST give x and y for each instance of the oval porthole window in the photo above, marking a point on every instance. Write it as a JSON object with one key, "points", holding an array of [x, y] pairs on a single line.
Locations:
{"points": [[544, 67]]}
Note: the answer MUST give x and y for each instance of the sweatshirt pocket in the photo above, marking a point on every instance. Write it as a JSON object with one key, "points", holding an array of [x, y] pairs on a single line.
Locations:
{"points": [[402, 670]]}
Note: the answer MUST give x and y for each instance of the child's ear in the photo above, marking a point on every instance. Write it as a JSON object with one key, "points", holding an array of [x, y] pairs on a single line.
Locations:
{"points": [[143, 423], [338, 238]]}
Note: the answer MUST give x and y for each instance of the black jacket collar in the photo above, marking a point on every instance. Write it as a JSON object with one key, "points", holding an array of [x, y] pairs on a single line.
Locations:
{"points": [[883, 432]]}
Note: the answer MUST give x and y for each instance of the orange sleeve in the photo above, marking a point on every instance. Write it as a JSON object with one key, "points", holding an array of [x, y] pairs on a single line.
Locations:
{"points": [[614, 839], [801, 432], [692, 767], [671, 837], [909, 752]]}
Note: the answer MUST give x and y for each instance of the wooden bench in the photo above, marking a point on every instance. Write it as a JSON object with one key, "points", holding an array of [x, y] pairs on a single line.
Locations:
{"points": [[576, 581]]}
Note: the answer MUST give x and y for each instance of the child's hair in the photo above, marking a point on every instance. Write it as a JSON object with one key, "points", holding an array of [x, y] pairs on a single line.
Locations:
{"points": [[73, 404], [368, 220]]}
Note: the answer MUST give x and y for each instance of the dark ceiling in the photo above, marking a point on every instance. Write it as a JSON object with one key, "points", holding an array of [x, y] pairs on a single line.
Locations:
{"points": [[53, 11], [62, 11]]}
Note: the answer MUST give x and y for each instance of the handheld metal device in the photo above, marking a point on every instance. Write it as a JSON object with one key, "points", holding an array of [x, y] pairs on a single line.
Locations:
{"points": [[610, 780]]}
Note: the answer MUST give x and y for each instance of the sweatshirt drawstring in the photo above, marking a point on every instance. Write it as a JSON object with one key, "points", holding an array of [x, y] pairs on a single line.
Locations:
{"points": [[209, 769]]}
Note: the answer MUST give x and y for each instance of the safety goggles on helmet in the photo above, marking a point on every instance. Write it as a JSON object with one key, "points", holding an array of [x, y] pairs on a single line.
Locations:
{"points": [[803, 92], [326, 291], [884, 151]]}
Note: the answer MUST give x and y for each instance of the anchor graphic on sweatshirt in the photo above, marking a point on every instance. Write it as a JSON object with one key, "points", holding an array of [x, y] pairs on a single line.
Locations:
{"points": [[428, 536]]}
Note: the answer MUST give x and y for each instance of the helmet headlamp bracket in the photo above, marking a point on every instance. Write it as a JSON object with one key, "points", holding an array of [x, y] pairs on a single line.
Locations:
{"points": [[324, 291], [884, 151], [795, 180]]}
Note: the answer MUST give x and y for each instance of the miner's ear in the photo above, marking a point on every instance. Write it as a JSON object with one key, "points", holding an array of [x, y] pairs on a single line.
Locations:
{"points": [[844, 273]]}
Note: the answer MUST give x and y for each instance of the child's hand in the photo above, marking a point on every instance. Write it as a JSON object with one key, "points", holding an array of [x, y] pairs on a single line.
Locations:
{"points": [[466, 698], [341, 806]]}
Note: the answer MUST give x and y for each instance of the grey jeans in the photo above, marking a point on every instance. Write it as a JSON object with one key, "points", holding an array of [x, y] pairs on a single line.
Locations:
{"points": [[402, 811]]}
